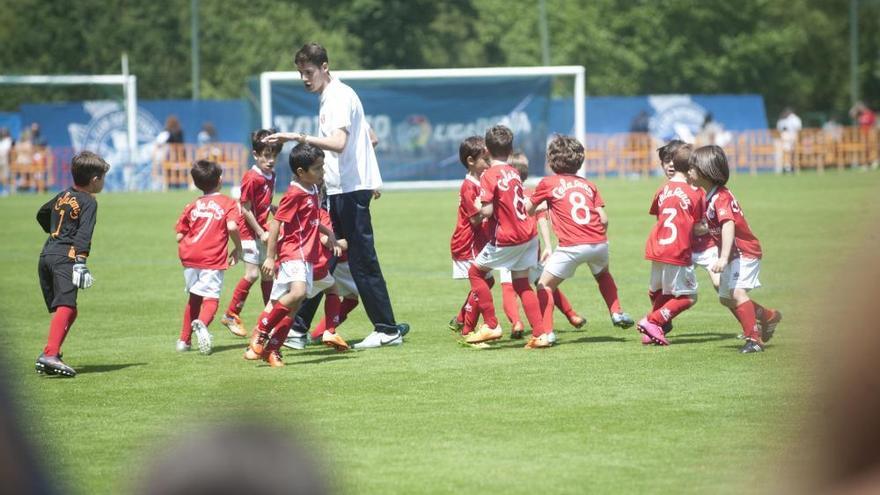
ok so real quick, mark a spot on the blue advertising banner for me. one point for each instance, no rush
(100, 126)
(420, 123)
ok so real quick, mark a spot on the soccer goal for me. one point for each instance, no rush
(421, 115)
(127, 81)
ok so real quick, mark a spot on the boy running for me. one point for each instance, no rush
(69, 219)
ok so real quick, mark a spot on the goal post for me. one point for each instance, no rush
(128, 83)
(285, 105)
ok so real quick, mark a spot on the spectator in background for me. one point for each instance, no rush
(864, 116)
(208, 134)
(37, 138)
(832, 128)
(788, 125)
(640, 122)
(5, 149)
(172, 134)
(712, 132)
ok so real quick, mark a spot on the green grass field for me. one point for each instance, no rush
(597, 413)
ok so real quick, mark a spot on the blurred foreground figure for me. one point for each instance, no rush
(233, 459)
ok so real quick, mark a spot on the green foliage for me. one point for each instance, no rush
(794, 52)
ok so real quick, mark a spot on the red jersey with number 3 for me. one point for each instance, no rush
(678, 207)
(468, 240)
(509, 224)
(723, 207)
(205, 233)
(572, 201)
(257, 189)
(298, 211)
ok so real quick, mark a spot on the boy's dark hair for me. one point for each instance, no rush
(304, 156)
(87, 165)
(667, 151)
(472, 147)
(711, 163)
(499, 141)
(681, 158)
(259, 146)
(565, 154)
(520, 162)
(206, 175)
(311, 53)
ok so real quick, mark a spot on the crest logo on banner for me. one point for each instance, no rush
(675, 116)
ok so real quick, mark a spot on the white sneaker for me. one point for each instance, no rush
(182, 346)
(551, 337)
(296, 340)
(379, 339)
(203, 336)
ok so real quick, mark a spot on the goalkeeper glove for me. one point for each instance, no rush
(81, 276)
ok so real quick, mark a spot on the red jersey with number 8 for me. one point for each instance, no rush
(678, 207)
(573, 201)
(723, 207)
(509, 224)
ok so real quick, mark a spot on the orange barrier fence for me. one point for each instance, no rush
(172, 163)
(632, 154)
(28, 169)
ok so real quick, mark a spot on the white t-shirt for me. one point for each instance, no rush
(356, 168)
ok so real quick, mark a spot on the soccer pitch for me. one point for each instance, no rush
(598, 412)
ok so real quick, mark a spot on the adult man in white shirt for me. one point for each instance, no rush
(352, 178)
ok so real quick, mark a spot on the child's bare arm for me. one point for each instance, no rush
(234, 235)
(487, 210)
(728, 232)
(248, 213)
(331, 239)
(603, 217)
(268, 267)
(544, 232)
(179, 237)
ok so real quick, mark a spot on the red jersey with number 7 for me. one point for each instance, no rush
(572, 201)
(205, 232)
(509, 224)
(723, 207)
(678, 207)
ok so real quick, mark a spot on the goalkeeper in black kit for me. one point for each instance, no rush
(69, 219)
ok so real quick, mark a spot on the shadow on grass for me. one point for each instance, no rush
(228, 347)
(700, 338)
(592, 339)
(104, 368)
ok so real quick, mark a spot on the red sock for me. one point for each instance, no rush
(239, 296)
(471, 311)
(508, 302)
(608, 289)
(271, 320)
(653, 295)
(462, 312)
(480, 287)
(530, 305)
(209, 309)
(279, 333)
(345, 307)
(761, 313)
(331, 312)
(672, 308)
(562, 302)
(266, 287)
(58, 328)
(745, 313)
(545, 298)
(69, 326)
(190, 313)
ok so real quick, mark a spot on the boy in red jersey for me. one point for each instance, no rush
(580, 224)
(703, 247)
(69, 218)
(739, 261)
(469, 235)
(298, 223)
(257, 187)
(512, 242)
(673, 287)
(203, 233)
(540, 225)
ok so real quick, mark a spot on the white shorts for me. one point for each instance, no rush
(705, 258)
(740, 273)
(344, 281)
(565, 260)
(534, 274)
(319, 286)
(515, 258)
(673, 279)
(253, 252)
(203, 282)
(460, 270)
(290, 272)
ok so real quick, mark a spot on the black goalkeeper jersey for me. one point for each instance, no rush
(69, 219)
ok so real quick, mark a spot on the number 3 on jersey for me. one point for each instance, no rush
(580, 212)
(667, 223)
